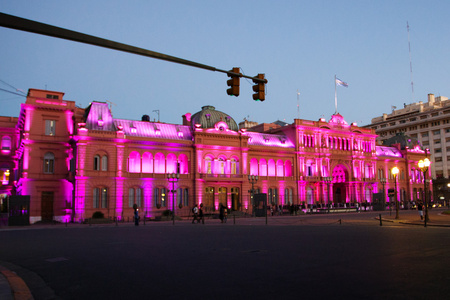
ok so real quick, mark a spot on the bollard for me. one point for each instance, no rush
(381, 222)
(340, 221)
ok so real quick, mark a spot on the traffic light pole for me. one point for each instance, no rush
(13, 22)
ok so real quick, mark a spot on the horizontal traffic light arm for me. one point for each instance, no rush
(13, 22)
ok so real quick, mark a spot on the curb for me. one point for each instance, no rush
(412, 222)
(19, 288)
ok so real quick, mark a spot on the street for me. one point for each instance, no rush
(308, 257)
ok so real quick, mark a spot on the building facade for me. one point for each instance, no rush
(427, 122)
(74, 161)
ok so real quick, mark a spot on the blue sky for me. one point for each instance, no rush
(299, 45)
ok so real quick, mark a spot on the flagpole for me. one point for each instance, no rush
(335, 94)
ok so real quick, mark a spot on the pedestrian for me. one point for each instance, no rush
(221, 211)
(420, 209)
(200, 214)
(136, 217)
(195, 213)
(225, 214)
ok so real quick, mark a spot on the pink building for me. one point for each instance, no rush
(74, 162)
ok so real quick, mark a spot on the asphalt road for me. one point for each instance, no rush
(298, 258)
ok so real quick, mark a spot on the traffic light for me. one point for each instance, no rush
(259, 89)
(233, 83)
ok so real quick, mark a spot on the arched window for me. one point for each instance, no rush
(49, 163)
(104, 163)
(262, 167)
(208, 165)
(233, 166)
(280, 168)
(147, 162)
(159, 163)
(288, 168)
(271, 168)
(183, 164)
(134, 162)
(253, 166)
(171, 163)
(221, 165)
(6, 145)
(96, 163)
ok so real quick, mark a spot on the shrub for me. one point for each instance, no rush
(98, 215)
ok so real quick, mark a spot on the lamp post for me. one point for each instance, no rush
(395, 173)
(448, 198)
(328, 181)
(252, 179)
(423, 165)
(173, 177)
(383, 182)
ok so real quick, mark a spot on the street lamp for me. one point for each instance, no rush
(252, 179)
(174, 178)
(383, 182)
(395, 173)
(328, 180)
(423, 165)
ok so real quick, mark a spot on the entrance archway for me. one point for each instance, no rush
(340, 178)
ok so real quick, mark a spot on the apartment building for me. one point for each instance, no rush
(427, 122)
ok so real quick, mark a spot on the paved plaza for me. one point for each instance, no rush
(339, 256)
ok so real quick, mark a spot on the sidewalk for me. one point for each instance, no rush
(12, 287)
(436, 218)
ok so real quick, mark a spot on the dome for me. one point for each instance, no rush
(209, 116)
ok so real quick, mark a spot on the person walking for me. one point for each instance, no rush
(136, 217)
(195, 213)
(225, 214)
(420, 209)
(221, 211)
(200, 214)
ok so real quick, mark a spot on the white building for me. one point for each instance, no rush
(427, 122)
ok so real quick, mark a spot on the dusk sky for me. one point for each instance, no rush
(299, 45)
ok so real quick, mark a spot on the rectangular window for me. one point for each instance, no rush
(436, 132)
(437, 159)
(437, 141)
(50, 127)
(424, 134)
(96, 197)
(437, 150)
(130, 197)
(104, 198)
(139, 197)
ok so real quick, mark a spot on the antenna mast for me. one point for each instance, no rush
(410, 63)
(298, 105)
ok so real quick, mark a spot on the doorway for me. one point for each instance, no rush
(47, 199)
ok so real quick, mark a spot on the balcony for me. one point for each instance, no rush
(218, 177)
